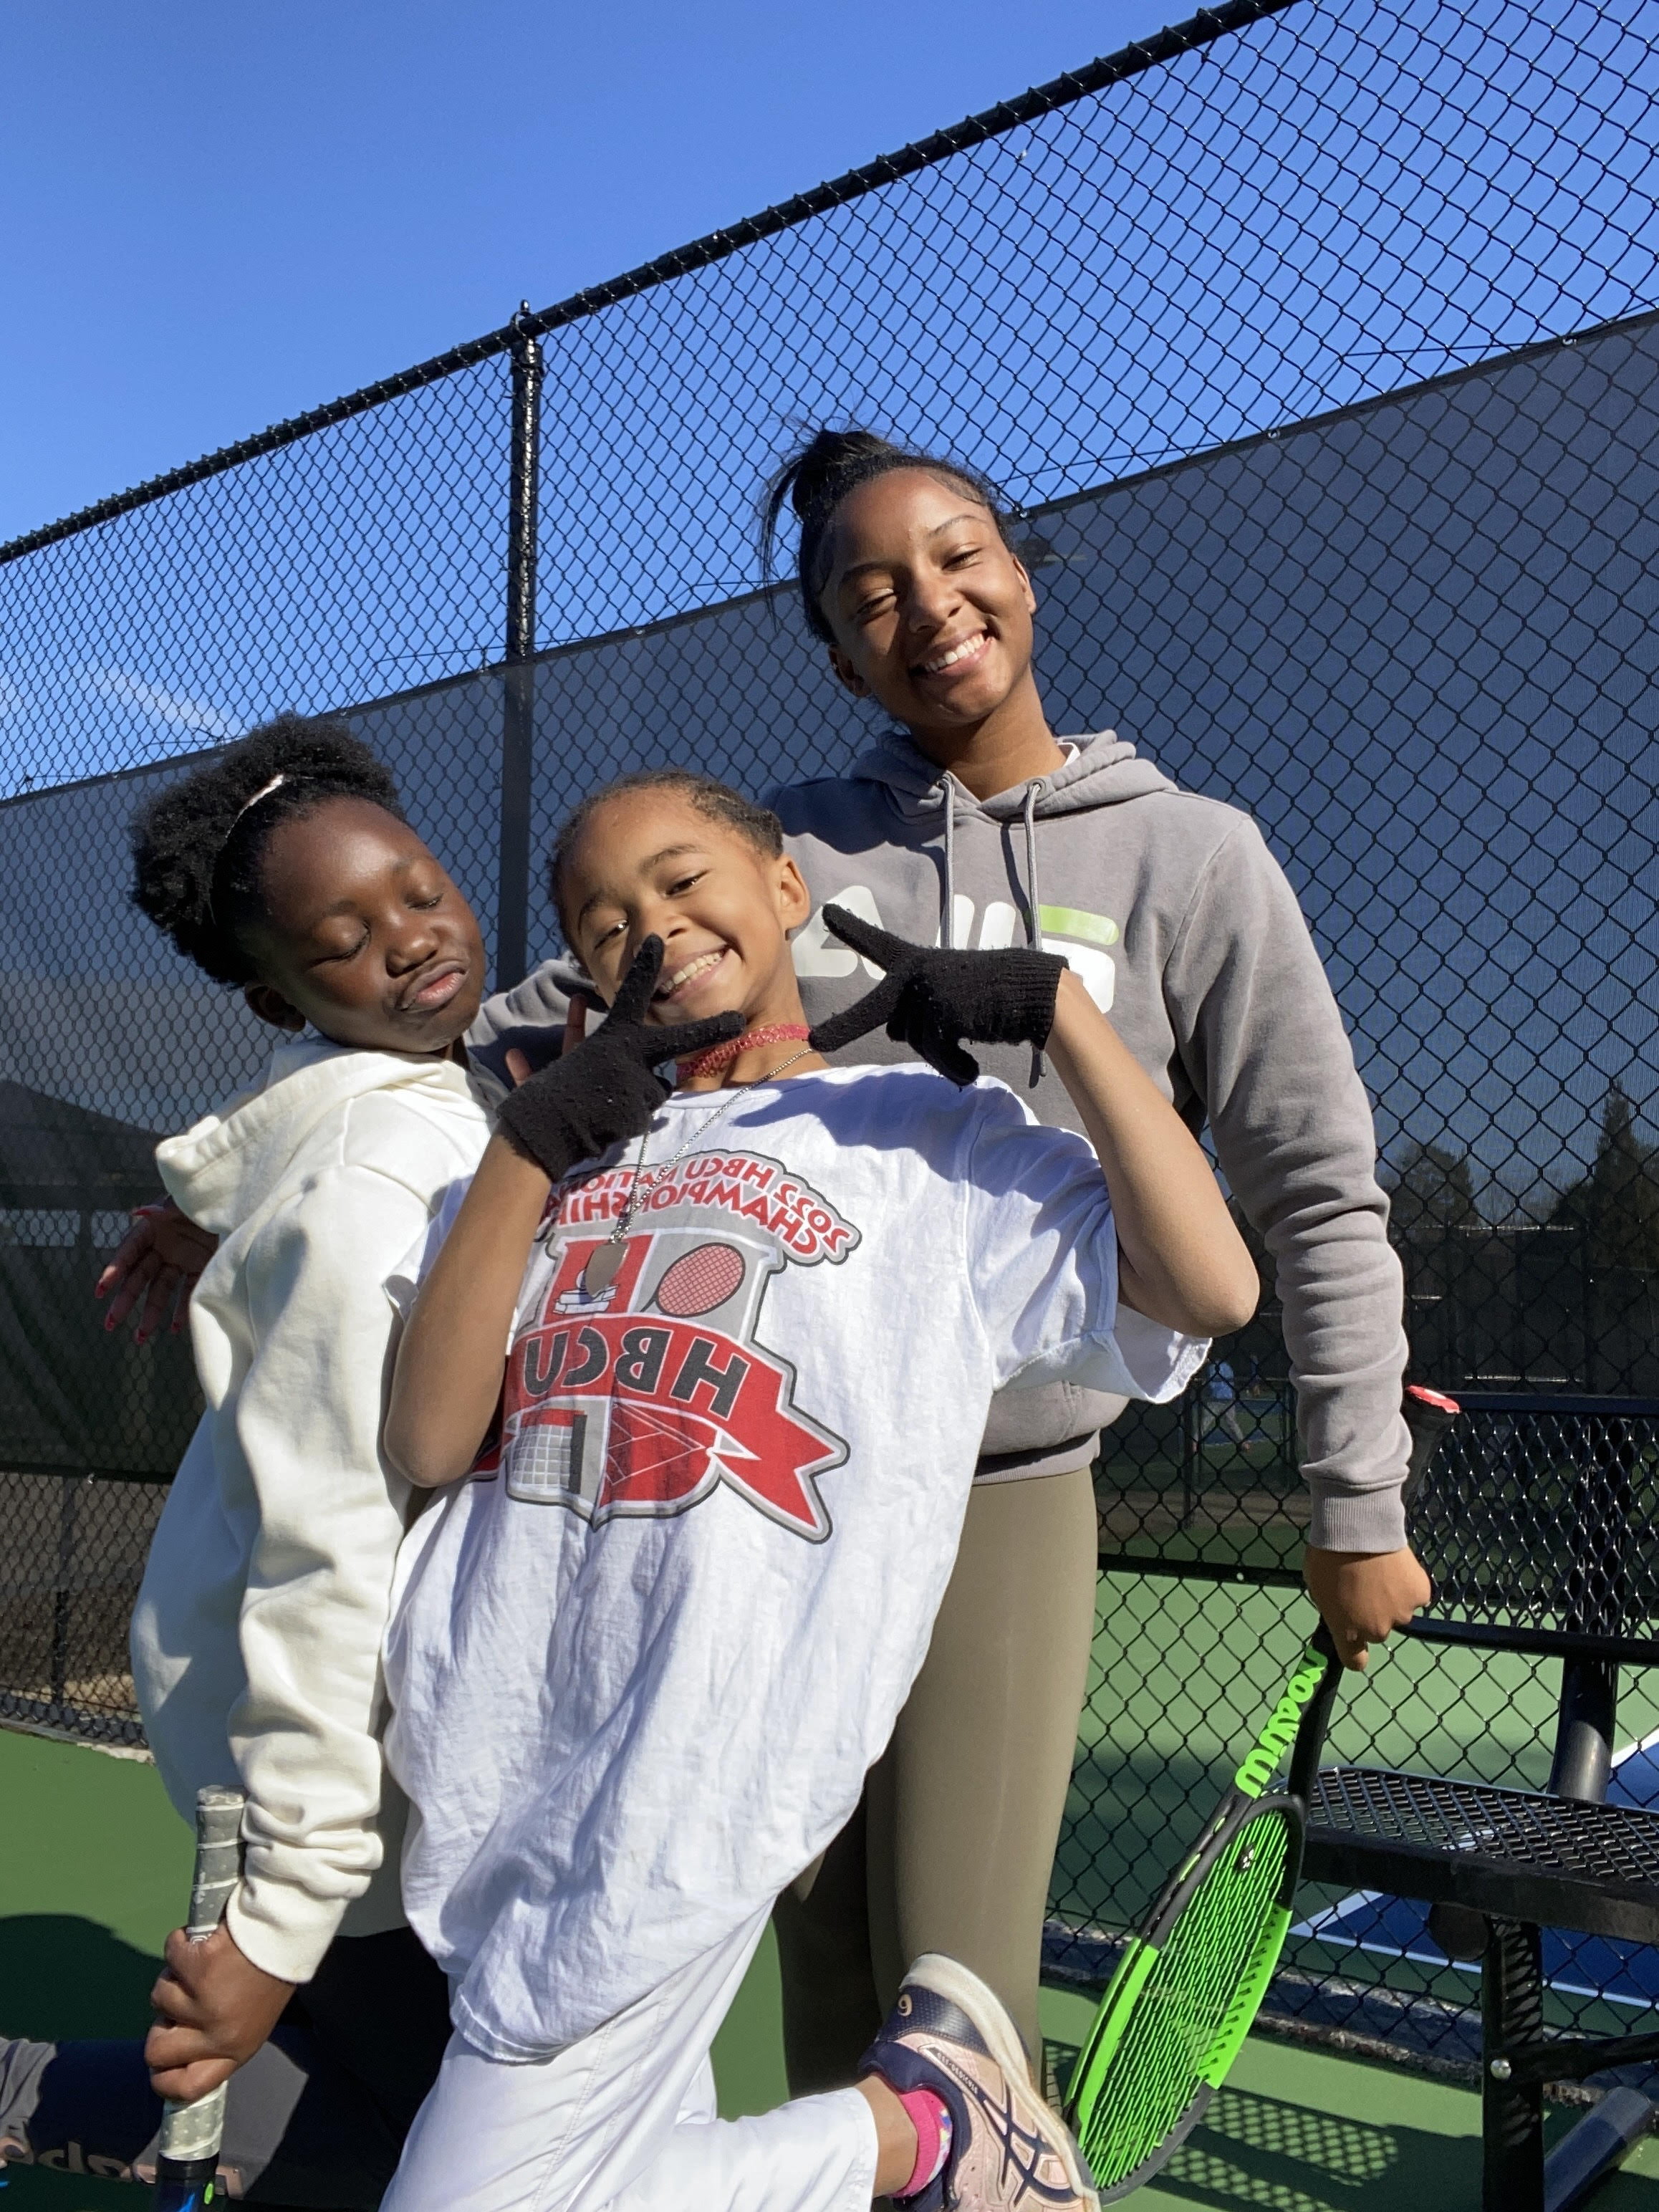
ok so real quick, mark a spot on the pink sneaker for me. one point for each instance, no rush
(949, 2034)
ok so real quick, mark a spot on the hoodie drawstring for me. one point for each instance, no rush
(1033, 908)
(1033, 911)
(948, 918)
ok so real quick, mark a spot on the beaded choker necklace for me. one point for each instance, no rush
(601, 1269)
(722, 1055)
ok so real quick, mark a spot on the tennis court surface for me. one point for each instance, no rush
(94, 1865)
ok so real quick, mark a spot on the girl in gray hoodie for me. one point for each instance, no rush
(972, 824)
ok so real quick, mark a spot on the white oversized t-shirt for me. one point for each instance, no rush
(640, 1670)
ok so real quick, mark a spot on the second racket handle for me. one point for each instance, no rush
(192, 2132)
(1429, 1414)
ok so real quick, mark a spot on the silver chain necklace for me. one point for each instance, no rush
(601, 1269)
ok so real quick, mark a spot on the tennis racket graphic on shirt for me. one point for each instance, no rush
(1190, 1983)
(186, 2170)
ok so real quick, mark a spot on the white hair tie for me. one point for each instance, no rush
(264, 791)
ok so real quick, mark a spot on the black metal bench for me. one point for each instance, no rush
(1539, 1520)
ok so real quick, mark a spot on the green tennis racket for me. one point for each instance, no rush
(1188, 1984)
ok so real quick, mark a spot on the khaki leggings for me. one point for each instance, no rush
(953, 1847)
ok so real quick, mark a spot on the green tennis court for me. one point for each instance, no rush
(94, 1865)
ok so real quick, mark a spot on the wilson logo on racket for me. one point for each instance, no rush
(644, 1397)
(1273, 1746)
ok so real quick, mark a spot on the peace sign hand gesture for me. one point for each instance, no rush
(606, 1088)
(931, 999)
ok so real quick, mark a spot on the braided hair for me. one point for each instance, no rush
(815, 480)
(198, 847)
(706, 795)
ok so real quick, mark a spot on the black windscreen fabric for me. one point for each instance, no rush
(109, 1040)
(1416, 640)
(73, 1398)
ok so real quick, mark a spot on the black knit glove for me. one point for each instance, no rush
(930, 1000)
(607, 1088)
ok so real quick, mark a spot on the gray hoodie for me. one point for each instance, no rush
(1184, 930)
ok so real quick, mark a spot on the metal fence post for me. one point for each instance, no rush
(517, 688)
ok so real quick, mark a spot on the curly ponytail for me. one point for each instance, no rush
(815, 481)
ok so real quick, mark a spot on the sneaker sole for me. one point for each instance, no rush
(950, 1980)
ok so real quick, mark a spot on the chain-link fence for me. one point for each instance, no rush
(1319, 345)
(1200, 1520)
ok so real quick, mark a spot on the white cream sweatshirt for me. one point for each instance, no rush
(257, 1634)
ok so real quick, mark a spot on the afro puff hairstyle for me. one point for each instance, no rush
(198, 847)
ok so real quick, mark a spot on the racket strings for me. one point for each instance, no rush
(1179, 2028)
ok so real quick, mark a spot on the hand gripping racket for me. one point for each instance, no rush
(1188, 1984)
(186, 2170)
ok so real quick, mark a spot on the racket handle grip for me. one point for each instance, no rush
(190, 2133)
(1310, 1736)
(1429, 1414)
(218, 1866)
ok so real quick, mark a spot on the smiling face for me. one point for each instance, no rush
(930, 611)
(650, 864)
(362, 934)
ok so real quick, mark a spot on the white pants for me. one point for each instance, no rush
(625, 2120)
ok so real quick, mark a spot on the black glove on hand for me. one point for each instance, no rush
(930, 1000)
(607, 1088)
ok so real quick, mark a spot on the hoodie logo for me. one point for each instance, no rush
(1081, 936)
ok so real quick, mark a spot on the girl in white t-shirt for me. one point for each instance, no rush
(641, 1662)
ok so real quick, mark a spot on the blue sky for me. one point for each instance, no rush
(212, 216)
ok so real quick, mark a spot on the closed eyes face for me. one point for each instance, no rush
(362, 934)
(650, 865)
(930, 611)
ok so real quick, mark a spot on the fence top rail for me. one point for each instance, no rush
(1166, 45)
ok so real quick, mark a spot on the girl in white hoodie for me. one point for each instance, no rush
(285, 867)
